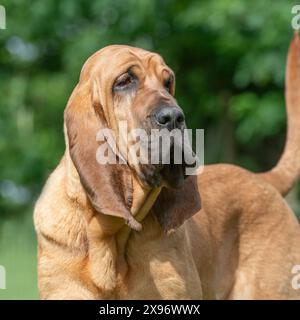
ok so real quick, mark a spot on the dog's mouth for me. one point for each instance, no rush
(169, 155)
(173, 175)
(169, 173)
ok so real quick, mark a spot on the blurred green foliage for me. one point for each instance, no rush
(229, 58)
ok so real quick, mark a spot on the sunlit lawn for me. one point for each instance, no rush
(18, 256)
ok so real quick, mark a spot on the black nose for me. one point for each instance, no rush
(170, 117)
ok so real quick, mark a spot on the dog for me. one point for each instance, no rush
(142, 231)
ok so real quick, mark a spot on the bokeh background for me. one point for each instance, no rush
(229, 57)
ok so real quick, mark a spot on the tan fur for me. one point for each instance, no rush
(242, 244)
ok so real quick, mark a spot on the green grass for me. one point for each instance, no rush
(18, 257)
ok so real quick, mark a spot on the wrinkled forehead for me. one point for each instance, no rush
(113, 60)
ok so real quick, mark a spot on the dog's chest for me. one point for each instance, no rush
(159, 266)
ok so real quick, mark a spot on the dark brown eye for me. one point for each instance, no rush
(125, 81)
(168, 83)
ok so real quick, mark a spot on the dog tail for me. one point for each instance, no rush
(286, 172)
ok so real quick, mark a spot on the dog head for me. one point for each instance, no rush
(122, 90)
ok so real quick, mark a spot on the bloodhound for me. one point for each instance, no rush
(148, 231)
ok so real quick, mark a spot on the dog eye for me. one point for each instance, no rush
(168, 84)
(125, 81)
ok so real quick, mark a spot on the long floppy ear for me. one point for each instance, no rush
(108, 186)
(173, 207)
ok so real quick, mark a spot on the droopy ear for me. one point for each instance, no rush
(108, 186)
(173, 207)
